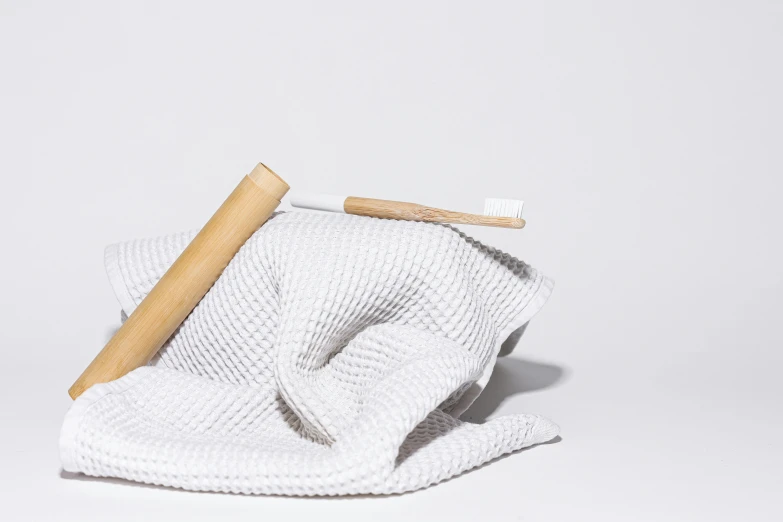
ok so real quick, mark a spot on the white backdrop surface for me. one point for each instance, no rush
(645, 138)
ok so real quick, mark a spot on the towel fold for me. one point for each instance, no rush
(333, 356)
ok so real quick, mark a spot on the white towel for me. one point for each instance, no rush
(333, 356)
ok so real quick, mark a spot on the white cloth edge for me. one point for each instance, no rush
(111, 261)
(78, 409)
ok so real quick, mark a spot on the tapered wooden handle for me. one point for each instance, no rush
(187, 280)
(382, 208)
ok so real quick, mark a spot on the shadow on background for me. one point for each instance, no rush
(512, 376)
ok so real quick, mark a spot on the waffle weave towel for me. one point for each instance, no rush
(333, 356)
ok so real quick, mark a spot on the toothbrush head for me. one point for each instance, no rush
(503, 207)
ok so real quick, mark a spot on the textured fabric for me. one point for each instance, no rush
(333, 356)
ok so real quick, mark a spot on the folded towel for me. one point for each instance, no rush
(333, 356)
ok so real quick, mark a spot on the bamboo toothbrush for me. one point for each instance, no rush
(505, 213)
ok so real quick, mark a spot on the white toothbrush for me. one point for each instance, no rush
(497, 212)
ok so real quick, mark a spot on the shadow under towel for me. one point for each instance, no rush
(333, 356)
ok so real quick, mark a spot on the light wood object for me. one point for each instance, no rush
(188, 280)
(382, 208)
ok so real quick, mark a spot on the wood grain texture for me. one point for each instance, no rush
(187, 280)
(382, 208)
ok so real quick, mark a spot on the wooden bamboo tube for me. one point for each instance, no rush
(187, 280)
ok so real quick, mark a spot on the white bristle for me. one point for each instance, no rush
(503, 207)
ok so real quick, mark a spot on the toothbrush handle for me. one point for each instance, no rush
(386, 209)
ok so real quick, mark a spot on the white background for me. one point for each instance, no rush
(645, 138)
